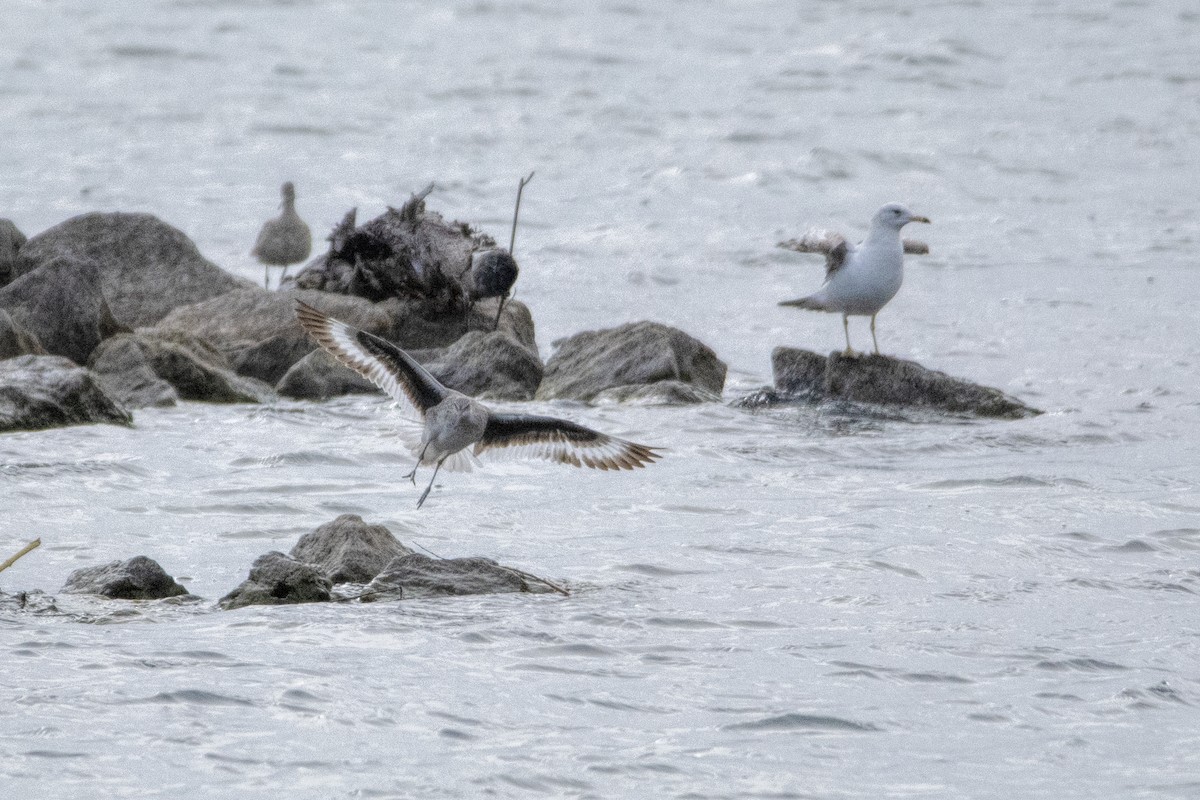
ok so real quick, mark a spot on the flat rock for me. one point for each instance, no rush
(489, 365)
(417, 575)
(661, 393)
(588, 363)
(11, 241)
(15, 340)
(121, 367)
(276, 579)
(348, 550)
(147, 267)
(39, 392)
(62, 304)
(882, 380)
(138, 578)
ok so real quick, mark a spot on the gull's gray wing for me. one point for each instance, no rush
(376, 359)
(833, 246)
(563, 441)
(915, 247)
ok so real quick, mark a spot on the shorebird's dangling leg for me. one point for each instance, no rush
(283, 274)
(412, 476)
(266, 277)
(873, 339)
(436, 467)
(846, 328)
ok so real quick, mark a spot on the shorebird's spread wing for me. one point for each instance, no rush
(376, 359)
(833, 246)
(563, 441)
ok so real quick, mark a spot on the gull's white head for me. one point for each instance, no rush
(896, 216)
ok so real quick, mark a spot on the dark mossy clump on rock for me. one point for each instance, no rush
(348, 550)
(39, 392)
(276, 579)
(636, 354)
(138, 578)
(801, 375)
(417, 575)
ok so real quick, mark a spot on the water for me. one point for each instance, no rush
(793, 603)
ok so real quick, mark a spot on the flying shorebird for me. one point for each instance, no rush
(283, 240)
(453, 421)
(860, 280)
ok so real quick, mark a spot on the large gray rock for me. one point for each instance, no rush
(662, 393)
(11, 241)
(139, 578)
(15, 340)
(490, 365)
(62, 304)
(348, 550)
(318, 376)
(38, 392)
(198, 372)
(121, 367)
(638, 353)
(881, 380)
(417, 575)
(147, 267)
(276, 579)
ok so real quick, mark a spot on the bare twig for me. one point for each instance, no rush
(32, 545)
(512, 239)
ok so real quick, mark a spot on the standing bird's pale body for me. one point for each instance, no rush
(452, 422)
(284, 240)
(860, 280)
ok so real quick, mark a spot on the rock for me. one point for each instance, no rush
(11, 241)
(662, 393)
(417, 575)
(318, 376)
(62, 304)
(882, 380)
(276, 579)
(122, 369)
(15, 340)
(146, 266)
(198, 372)
(139, 578)
(270, 359)
(489, 365)
(587, 363)
(348, 550)
(38, 392)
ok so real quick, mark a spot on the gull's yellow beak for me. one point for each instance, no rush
(922, 219)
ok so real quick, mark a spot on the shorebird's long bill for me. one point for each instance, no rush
(376, 359)
(562, 441)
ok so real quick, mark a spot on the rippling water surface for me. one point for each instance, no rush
(793, 603)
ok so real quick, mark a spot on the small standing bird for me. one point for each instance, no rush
(284, 240)
(492, 274)
(452, 421)
(860, 280)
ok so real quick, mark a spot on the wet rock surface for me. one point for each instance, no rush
(11, 241)
(348, 550)
(39, 392)
(640, 353)
(882, 380)
(417, 575)
(276, 579)
(15, 340)
(122, 369)
(488, 365)
(661, 393)
(138, 578)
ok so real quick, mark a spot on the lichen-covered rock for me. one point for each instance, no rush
(489, 365)
(881, 380)
(147, 267)
(662, 393)
(61, 303)
(15, 340)
(38, 392)
(587, 363)
(276, 579)
(138, 578)
(11, 241)
(416, 575)
(121, 367)
(348, 550)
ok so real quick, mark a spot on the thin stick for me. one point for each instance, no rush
(512, 239)
(32, 545)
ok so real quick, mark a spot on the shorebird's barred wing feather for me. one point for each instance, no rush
(833, 246)
(562, 441)
(376, 359)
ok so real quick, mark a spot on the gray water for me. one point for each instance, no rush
(793, 603)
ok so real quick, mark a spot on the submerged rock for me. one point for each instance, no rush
(882, 380)
(348, 550)
(146, 266)
(139, 578)
(38, 392)
(61, 303)
(276, 579)
(417, 575)
(640, 353)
